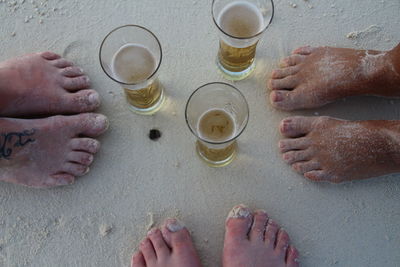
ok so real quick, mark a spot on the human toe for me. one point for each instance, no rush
(76, 83)
(292, 60)
(284, 72)
(146, 248)
(306, 166)
(296, 126)
(259, 225)
(271, 233)
(88, 145)
(91, 124)
(304, 50)
(288, 82)
(175, 234)
(301, 143)
(75, 169)
(72, 72)
(292, 157)
(282, 243)
(59, 180)
(81, 101)
(49, 55)
(238, 223)
(292, 257)
(160, 246)
(62, 63)
(79, 157)
(290, 100)
(138, 260)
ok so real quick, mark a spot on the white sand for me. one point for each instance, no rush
(99, 220)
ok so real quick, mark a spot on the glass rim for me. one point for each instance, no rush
(243, 38)
(136, 26)
(236, 135)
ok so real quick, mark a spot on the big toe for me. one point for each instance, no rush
(238, 224)
(296, 126)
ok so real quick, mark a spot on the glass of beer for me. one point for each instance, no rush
(131, 56)
(241, 24)
(217, 114)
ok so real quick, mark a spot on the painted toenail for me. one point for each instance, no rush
(94, 98)
(240, 211)
(174, 225)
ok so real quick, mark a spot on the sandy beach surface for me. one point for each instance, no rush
(135, 183)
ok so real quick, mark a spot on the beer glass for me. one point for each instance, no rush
(217, 114)
(131, 55)
(240, 24)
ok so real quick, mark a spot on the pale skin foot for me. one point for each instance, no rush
(314, 76)
(48, 152)
(170, 246)
(255, 240)
(327, 149)
(44, 84)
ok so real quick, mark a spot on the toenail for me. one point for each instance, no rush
(286, 126)
(152, 231)
(94, 98)
(240, 211)
(277, 97)
(261, 212)
(296, 260)
(174, 225)
(281, 144)
(86, 171)
(87, 79)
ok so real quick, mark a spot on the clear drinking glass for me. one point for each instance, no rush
(131, 55)
(241, 24)
(217, 114)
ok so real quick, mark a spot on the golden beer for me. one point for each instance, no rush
(144, 98)
(241, 21)
(134, 64)
(236, 59)
(216, 126)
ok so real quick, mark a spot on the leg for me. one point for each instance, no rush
(312, 77)
(44, 84)
(48, 152)
(327, 149)
(253, 239)
(170, 246)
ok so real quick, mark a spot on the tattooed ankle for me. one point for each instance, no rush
(11, 140)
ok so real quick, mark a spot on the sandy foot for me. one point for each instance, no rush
(44, 84)
(48, 152)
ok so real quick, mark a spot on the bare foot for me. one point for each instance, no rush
(254, 240)
(312, 77)
(169, 247)
(327, 149)
(48, 152)
(44, 84)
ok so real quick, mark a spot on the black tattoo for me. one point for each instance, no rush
(11, 140)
